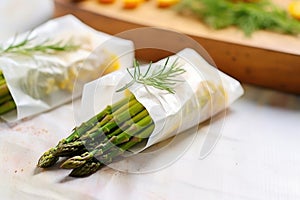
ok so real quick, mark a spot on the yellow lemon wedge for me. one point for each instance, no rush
(114, 66)
(130, 4)
(294, 9)
(166, 3)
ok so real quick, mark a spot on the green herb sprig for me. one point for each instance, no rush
(28, 46)
(249, 17)
(162, 78)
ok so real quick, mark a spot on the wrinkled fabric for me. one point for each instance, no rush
(256, 157)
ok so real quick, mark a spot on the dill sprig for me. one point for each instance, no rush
(163, 78)
(29, 45)
(248, 16)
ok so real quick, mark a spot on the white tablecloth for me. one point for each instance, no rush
(257, 157)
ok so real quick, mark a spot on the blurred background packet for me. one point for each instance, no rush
(39, 68)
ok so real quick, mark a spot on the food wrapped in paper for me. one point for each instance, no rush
(135, 109)
(201, 92)
(40, 68)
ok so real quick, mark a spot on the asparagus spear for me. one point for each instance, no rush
(94, 164)
(3, 87)
(99, 133)
(1, 75)
(101, 116)
(87, 169)
(138, 122)
(50, 157)
(2, 80)
(7, 106)
(6, 101)
(124, 136)
(3, 90)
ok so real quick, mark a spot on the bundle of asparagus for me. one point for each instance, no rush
(164, 100)
(106, 136)
(102, 139)
(6, 101)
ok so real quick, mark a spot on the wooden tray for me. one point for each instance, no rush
(266, 59)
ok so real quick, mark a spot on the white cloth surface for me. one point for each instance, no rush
(256, 158)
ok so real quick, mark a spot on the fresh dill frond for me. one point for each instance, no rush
(163, 78)
(30, 45)
(248, 16)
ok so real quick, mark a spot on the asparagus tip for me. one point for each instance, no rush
(85, 170)
(47, 160)
(73, 162)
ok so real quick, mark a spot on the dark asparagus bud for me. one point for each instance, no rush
(47, 160)
(98, 133)
(86, 169)
(140, 121)
(93, 165)
(44, 160)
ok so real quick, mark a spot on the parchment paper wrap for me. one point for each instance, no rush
(40, 82)
(202, 92)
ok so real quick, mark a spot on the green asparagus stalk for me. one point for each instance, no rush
(124, 136)
(7, 106)
(2, 80)
(126, 124)
(94, 164)
(3, 90)
(99, 133)
(1, 75)
(142, 135)
(138, 122)
(51, 156)
(85, 126)
(103, 117)
(6, 101)
(109, 120)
